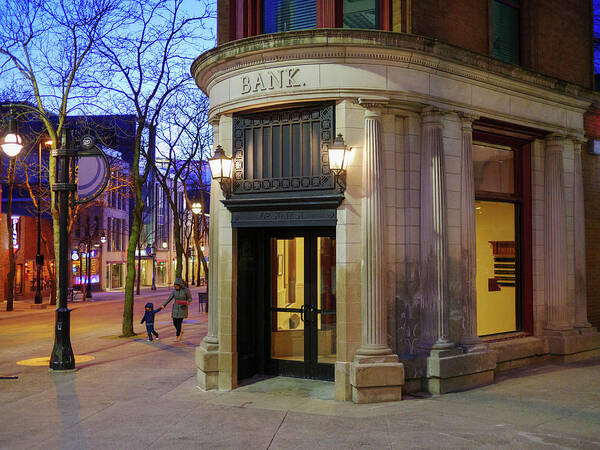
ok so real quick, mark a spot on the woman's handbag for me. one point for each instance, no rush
(181, 302)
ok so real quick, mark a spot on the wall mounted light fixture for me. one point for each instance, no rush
(339, 156)
(220, 169)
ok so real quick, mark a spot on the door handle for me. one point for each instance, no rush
(310, 309)
(302, 312)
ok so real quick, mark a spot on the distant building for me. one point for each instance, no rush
(453, 247)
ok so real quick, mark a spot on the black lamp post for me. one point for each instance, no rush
(12, 145)
(88, 287)
(153, 254)
(62, 357)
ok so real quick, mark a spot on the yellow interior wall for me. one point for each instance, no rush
(496, 312)
(283, 271)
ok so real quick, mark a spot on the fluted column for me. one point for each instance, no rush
(434, 244)
(468, 238)
(212, 334)
(555, 237)
(581, 320)
(374, 320)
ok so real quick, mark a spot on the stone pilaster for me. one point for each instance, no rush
(555, 237)
(564, 342)
(375, 375)
(449, 368)
(470, 339)
(581, 321)
(434, 243)
(207, 353)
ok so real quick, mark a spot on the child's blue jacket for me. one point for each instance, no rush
(149, 316)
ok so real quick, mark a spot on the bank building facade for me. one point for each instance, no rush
(401, 214)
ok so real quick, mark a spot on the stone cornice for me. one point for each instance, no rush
(340, 44)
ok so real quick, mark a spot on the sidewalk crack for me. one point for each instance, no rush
(277, 430)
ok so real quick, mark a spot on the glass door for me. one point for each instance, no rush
(302, 304)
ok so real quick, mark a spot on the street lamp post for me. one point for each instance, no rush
(88, 287)
(153, 253)
(62, 357)
(12, 144)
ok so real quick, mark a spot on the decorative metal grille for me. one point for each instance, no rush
(282, 150)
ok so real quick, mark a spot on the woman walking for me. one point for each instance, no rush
(182, 298)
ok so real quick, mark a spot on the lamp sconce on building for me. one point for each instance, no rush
(220, 168)
(339, 157)
(103, 238)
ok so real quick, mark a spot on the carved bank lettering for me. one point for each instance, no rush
(272, 79)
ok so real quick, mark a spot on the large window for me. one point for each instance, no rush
(361, 14)
(497, 222)
(289, 15)
(505, 30)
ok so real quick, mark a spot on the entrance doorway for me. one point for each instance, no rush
(287, 303)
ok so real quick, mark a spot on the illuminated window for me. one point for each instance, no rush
(361, 14)
(289, 15)
(497, 209)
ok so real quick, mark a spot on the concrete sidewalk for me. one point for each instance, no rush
(138, 394)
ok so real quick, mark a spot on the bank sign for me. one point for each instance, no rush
(271, 79)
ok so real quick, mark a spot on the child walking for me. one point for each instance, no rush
(149, 319)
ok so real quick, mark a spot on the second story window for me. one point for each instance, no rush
(361, 14)
(289, 15)
(505, 30)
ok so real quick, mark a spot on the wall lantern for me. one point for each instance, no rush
(12, 144)
(339, 156)
(164, 245)
(103, 238)
(196, 208)
(220, 169)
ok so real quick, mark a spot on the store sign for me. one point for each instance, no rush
(272, 79)
(16, 226)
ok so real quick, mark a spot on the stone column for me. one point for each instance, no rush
(374, 323)
(555, 237)
(375, 375)
(207, 356)
(468, 250)
(434, 244)
(581, 320)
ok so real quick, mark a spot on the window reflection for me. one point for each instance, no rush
(289, 15)
(361, 14)
(494, 169)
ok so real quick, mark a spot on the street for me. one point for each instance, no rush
(139, 394)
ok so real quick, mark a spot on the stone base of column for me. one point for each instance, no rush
(473, 344)
(376, 378)
(573, 345)
(586, 329)
(207, 362)
(453, 370)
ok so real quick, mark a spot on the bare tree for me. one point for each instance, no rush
(146, 65)
(45, 56)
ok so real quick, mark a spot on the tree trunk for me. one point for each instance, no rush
(139, 269)
(11, 256)
(127, 326)
(178, 245)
